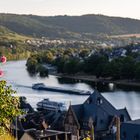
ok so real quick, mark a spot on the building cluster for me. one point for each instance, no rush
(118, 52)
(58, 42)
(95, 119)
(101, 42)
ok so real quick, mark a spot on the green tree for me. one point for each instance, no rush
(43, 71)
(68, 51)
(95, 64)
(71, 66)
(9, 107)
(128, 66)
(116, 68)
(60, 62)
(137, 71)
(47, 57)
(32, 64)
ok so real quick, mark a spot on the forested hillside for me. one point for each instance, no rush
(69, 26)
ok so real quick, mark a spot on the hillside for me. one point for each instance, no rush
(11, 35)
(13, 45)
(69, 26)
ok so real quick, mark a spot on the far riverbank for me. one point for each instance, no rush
(91, 78)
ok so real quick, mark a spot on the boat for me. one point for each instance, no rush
(48, 105)
(42, 86)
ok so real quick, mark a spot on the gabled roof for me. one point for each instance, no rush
(101, 111)
(72, 112)
(78, 110)
(99, 101)
(42, 134)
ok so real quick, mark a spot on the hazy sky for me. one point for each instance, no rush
(123, 8)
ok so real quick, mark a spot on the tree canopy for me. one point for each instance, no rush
(9, 107)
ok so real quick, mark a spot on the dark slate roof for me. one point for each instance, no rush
(37, 134)
(24, 105)
(35, 119)
(78, 110)
(54, 119)
(32, 133)
(125, 113)
(135, 122)
(107, 106)
(31, 120)
(99, 109)
(58, 121)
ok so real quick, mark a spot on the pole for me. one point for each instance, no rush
(118, 128)
(92, 132)
(16, 129)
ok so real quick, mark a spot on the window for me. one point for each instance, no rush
(99, 101)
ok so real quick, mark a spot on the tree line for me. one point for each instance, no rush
(96, 64)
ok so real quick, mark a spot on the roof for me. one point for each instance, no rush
(99, 109)
(24, 105)
(98, 100)
(125, 113)
(37, 134)
(78, 110)
(137, 122)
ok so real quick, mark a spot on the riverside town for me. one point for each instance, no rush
(69, 70)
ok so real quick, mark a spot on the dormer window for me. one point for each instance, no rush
(99, 101)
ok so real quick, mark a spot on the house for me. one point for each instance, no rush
(96, 111)
(39, 121)
(130, 130)
(30, 130)
(33, 134)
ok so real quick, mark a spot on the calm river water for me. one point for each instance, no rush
(17, 76)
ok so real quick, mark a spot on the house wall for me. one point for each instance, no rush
(26, 137)
(70, 125)
(130, 131)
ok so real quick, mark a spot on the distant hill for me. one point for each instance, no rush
(69, 26)
(6, 34)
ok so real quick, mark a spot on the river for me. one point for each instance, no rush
(16, 75)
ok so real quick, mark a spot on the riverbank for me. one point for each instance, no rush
(91, 78)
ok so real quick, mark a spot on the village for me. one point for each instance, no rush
(111, 47)
(95, 119)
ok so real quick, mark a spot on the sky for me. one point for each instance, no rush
(121, 8)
